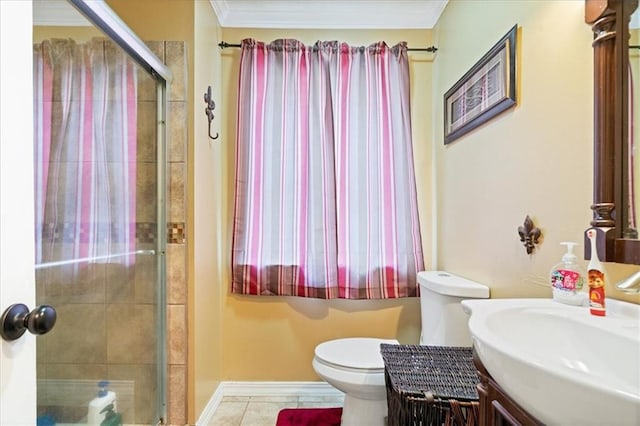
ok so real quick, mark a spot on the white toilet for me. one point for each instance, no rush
(444, 323)
(355, 366)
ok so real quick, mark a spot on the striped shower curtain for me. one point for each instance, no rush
(325, 202)
(85, 151)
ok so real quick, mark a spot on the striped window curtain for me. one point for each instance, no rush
(325, 202)
(85, 130)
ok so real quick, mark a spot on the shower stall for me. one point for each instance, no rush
(101, 227)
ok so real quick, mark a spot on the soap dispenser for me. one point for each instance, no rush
(567, 279)
(103, 403)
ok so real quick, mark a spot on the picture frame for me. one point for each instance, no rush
(486, 90)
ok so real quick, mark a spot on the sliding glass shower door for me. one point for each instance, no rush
(100, 233)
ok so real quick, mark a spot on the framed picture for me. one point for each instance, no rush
(485, 91)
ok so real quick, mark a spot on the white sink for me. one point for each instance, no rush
(560, 363)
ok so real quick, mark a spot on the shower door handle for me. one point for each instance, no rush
(17, 319)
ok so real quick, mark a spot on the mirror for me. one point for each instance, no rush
(613, 214)
(634, 129)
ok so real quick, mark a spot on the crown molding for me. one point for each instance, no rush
(329, 14)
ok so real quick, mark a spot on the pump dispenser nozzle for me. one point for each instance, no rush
(569, 256)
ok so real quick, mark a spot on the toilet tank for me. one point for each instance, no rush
(444, 323)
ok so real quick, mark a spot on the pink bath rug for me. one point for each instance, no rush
(309, 417)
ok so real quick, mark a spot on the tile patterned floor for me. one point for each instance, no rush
(263, 410)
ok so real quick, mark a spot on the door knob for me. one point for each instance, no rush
(17, 319)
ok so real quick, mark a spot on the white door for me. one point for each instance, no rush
(17, 277)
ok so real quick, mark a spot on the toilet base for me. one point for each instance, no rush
(364, 412)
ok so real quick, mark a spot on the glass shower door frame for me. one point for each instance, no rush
(161, 246)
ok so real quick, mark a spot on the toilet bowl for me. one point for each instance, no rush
(355, 367)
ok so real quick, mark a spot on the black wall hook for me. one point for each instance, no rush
(208, 110)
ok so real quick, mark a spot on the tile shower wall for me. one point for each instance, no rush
(175, 56)
(111, 308)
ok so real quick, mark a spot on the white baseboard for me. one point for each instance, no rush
(278, 389)
(263, 389)
(211, 407)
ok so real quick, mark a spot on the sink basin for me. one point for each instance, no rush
(560, 363)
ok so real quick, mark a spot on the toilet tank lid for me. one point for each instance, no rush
(452, 285)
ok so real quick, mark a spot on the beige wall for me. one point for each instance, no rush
(205, 194)
(535, 159)
(79, 34)
(273, 338)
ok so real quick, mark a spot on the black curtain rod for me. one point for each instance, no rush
(224, 45)
(637, 46)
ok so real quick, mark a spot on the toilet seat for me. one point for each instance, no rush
(359, 354)
(355, 367)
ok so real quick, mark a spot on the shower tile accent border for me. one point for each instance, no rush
(65, 232)
(176, 233)
(146, 232)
